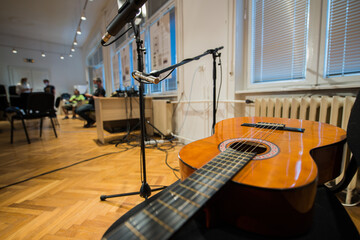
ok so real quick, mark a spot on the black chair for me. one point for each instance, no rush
(39, 105)
(17, 100)
(3, 99)
(330, 220)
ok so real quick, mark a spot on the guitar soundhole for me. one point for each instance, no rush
(264, 149)
(248, 146)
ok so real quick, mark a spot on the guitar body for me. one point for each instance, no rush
(274, 193)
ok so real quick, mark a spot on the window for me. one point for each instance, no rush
(343, 38)
(294, 44)
(279, 39)
(158, 33)
(95, 66)
(162, 45)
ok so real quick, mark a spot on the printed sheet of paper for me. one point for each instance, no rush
(116, 73)
(125, 66)
(160, 44)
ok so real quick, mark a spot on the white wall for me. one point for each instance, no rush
(202, 25)
(64, 74)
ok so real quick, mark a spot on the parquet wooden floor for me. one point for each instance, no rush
(65, 204)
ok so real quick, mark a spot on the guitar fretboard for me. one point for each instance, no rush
(164, 216)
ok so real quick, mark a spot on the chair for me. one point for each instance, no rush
(330, 220)
(39, 105)
(3, 100)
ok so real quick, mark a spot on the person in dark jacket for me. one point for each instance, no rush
(85, 108)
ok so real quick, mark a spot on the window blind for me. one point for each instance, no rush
(343, 38)
(279, 40)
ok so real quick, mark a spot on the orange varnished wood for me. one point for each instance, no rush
(292, 167)
(274, 196)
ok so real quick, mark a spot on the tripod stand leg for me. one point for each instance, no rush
(145, 192)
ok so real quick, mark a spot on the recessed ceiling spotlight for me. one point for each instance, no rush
(43, 54)
(62, 57)
(75, 42)
(78, 31)
(70, 55)
(83, 16)
(73, 49)
(14, 50)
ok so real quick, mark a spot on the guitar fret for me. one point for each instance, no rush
(165, 215)
(135, 231)
(161, 223)
(185, 199)
(194, 190)
(226, 176)
(183, 215)
(237, 160)
(202, 183)
(213, 179)
(212, 165)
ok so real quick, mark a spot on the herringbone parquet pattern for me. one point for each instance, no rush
(65, 204)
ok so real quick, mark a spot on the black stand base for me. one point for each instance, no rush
(145, 192)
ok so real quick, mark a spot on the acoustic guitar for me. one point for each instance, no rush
(257, 173)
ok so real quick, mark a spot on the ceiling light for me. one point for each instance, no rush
(83, 16)
(43, 54)
(73, 49)
(75, 42)
(70, 55)
(62, 57)
(14, 50)
(78, 31)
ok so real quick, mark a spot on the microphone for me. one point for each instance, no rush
(148, 78)
(126, 13)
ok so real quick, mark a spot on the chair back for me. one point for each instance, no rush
(353, 129)
(3, 98)
(40, 103)
(12, 90)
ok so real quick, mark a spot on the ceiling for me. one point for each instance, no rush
(52, 21)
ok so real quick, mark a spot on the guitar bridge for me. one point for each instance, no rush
(274, 126)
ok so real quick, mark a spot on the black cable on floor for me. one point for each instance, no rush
(58, 169)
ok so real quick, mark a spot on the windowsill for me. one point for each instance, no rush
(160, 95)
(298, 89)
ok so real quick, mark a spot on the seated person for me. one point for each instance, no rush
(23, 87)
(49, 88)
(83, 109)
(72, 103)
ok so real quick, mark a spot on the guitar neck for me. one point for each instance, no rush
(164, 216)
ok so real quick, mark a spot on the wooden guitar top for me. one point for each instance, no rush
(287, 162)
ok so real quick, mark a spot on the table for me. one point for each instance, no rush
(113, 108)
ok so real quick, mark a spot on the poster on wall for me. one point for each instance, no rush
(116, 76)
(160, 43)
(125, 66)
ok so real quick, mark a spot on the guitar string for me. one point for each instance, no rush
(269, 132)
(198, 191)
(168, 197)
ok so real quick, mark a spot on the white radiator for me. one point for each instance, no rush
(163, 110)
(333, 110)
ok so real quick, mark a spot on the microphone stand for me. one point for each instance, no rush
(145, 190)
(215, 54)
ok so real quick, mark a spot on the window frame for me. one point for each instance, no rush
(315, 56)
